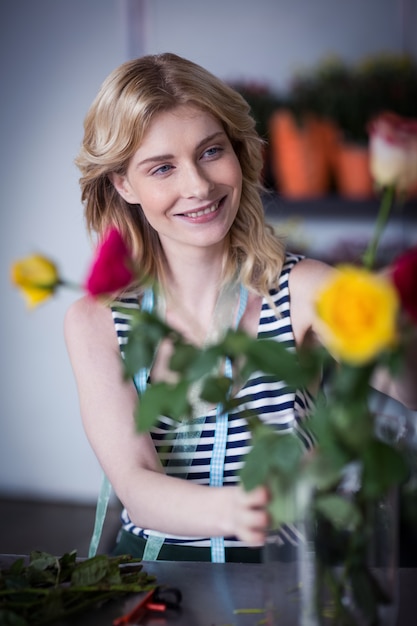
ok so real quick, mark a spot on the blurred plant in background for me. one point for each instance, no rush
(317, 128)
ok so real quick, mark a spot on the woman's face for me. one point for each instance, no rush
(186, 177)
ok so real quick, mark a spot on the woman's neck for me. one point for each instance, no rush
(191, 292)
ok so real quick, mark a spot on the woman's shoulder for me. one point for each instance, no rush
(87, 318)
(306, 278)
(308, 270)
(86, 309)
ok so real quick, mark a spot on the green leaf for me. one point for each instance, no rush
(42, 560)
(364, 594)
(162, 399)
(341, 512)
(284, 507)
(144, 337)
(272, 453)
(90, 571)
(329, 444)
(205, 363)
(67, 563)
(286, 452)
(183, 358)
(351, 382)
(256, 468)
(275, 359)
(87, 583)
(216, 389)
(43, 568)
(353, 425)
(383, 467)
(236, 343)
(324, 471)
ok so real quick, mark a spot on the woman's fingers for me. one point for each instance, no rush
(252, 518)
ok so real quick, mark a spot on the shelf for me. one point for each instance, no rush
(333, 208)
(336, 229)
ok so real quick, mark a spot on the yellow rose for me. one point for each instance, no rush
(357, 313)
(37, 278)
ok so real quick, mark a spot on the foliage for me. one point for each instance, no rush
(263, 101)
(350, 95)
(49, 588)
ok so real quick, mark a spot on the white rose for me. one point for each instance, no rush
(393, 151)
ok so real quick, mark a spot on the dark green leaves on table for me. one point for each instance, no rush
(48, 589)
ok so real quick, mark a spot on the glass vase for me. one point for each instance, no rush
(333, 577)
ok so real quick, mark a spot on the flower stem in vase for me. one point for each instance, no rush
(383, 215)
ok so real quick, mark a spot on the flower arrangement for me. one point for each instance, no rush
(366, 321)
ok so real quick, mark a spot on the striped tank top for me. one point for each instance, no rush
(273, 401)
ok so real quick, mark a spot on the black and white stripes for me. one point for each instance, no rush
(273, 402)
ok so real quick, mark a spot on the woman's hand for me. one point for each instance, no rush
(250, 515)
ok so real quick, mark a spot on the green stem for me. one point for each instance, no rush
(68, 284)
(383, 215)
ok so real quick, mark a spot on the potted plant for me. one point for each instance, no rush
(301, 142)
(264, 103)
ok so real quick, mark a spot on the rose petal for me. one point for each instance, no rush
(404, 276)
(111, 270)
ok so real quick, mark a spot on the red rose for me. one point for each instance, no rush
(111, 269)
(404, 276)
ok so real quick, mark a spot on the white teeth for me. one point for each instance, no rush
(206, 211)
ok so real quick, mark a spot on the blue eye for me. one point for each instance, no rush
(214, 151)
(163, 169)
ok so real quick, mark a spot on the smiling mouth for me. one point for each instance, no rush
(210, 209)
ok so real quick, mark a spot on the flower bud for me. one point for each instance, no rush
(393, 151)
(37, 278)
(112, 267)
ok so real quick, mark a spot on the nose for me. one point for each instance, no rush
(195, 182)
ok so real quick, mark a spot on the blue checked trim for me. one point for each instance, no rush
(220, 440)
(101, 509)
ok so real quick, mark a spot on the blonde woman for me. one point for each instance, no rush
(171, 158)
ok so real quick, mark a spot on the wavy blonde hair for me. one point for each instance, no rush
(114, 127)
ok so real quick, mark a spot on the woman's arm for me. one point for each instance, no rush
(129, 459)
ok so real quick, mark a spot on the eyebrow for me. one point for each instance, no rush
(167, 157)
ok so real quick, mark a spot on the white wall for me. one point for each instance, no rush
(53, 56)
(269, 40)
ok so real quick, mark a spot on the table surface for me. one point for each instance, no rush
(216, 594)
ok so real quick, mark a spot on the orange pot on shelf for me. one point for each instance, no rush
(330, 138)
(352, 172)
(299, 163)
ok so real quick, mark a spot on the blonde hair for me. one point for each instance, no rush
(114, 127)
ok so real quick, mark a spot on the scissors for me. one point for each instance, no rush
(158, 599)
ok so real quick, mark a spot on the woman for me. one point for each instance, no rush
(171, 158)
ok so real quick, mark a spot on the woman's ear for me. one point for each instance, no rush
(122, 186)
